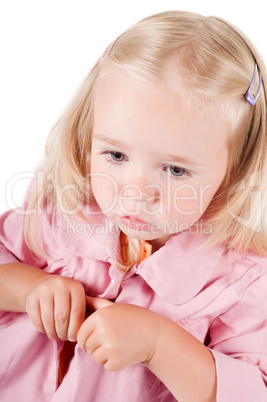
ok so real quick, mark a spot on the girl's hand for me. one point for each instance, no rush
(56, 306)
(118, 335)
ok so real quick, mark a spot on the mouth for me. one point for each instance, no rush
(135, 223)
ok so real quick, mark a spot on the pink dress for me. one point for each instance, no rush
(218, 296)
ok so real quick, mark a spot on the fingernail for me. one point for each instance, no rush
(72, 339)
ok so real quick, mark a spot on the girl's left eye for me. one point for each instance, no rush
(177, 171)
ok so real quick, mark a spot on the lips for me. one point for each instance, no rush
(135, 223)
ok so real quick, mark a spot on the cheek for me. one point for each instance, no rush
(105, 191)
(103, 185)
(189, 202)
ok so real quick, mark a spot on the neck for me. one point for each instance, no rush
(160, 242)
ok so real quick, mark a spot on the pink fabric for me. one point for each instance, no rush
(218, 296)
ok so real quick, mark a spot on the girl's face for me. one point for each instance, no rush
(155, 165)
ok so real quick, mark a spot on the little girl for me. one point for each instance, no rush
(136, 269)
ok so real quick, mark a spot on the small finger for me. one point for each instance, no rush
(99, 355)
(77, 313)
(96, 303)
(62, 314)
(33, 310)
(85, 331)
(92, 343)
(47, 316)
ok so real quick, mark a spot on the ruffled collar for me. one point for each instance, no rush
(181, 261)
(180, 269)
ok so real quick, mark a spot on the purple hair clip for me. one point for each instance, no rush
(249, 96)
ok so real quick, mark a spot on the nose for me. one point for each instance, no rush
(138, 196)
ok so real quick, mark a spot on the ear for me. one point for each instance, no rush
(96, 303)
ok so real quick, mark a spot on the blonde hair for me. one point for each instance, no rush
(215, 62)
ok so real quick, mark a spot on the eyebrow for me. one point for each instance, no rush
(111, 141)
(120, 144)
(186, 161)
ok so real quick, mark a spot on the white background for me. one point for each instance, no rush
(48, 47)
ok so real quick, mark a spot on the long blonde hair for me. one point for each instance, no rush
(216, 63)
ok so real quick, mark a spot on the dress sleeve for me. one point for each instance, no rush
(239, 346)
(13, 247)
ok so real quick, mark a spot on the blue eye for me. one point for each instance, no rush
(177, 171)
(114, 156)
(117, 156)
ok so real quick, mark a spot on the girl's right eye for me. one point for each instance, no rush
(114, 156)
(117, 156)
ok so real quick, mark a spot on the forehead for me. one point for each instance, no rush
(169, 85)
(136, 109)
